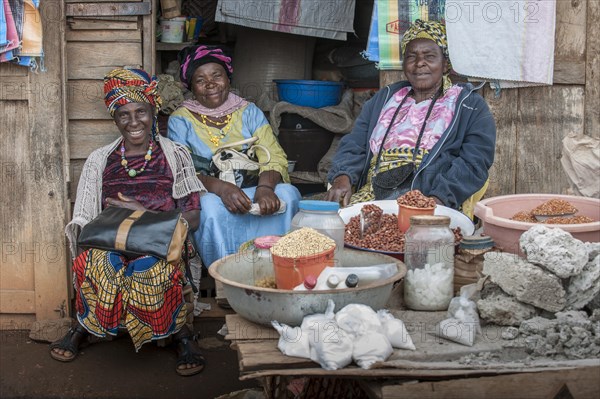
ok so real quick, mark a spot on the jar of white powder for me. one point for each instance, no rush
(429, 257)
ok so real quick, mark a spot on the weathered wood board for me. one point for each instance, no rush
(580, 383)
(94, 61)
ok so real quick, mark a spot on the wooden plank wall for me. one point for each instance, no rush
(532, 122)
(33, 266)
(96, 44)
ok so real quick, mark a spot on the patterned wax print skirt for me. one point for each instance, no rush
(143, 295)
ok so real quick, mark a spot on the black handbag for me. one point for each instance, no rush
(397, 181)
(136, 233)
(393, 183)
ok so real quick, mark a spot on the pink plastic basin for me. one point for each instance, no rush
(496, 212)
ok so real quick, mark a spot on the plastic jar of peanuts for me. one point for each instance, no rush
(429, 258)
(322, 216)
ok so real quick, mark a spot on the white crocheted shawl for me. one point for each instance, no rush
(88, 203)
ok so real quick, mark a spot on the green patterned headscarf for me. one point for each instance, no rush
(431, 30)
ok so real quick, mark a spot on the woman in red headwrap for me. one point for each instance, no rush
(137, 171)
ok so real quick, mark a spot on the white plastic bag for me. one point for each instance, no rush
(395, 331)
(329, 345)
(370, 348)
(292, 342)
(357, 319)
(457, 331)
(465, 310)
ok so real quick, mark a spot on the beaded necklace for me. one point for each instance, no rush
(132, 172)
(216, 138)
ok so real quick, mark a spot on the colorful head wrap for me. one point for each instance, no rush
(432, 30)
(192, 57)
(128, 85)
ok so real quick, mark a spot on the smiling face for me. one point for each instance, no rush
(210, 85)
(424, 65)
(134, 121)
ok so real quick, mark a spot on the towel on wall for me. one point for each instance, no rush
(393, 18)
(328, 19)
(502, 40)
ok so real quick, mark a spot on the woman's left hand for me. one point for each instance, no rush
(125, 202)
(266, 199)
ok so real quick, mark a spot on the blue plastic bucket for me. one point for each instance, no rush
(309, 93)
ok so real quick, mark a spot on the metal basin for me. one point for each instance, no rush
(238, 272)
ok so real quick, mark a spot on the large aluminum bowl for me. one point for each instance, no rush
(238, 272)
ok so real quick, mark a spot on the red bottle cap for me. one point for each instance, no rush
(310, 282)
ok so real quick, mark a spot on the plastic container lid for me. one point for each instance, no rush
(352, 280)
(265, 242)
(430, 220)
(310, 282)
(323, 206)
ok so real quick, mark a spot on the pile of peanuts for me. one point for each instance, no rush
(524, 216)
(415, 198)
(554, 207)
(384, 237)
(302, 242)
(569, 220)
(267, 282)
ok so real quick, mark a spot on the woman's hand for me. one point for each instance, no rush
(234, 199)
(340, 191)
(266, 199)
(125, 202)
(265, 195)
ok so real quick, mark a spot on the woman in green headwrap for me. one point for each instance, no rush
(424, 133)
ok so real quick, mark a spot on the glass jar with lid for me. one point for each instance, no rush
(429, 258)
(322, 216)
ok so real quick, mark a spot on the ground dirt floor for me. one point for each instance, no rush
(114, 370)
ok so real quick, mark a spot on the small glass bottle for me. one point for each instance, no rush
(429, 258)
(261, 257)
(322, 216)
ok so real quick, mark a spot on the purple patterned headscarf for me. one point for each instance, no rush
(192, 57)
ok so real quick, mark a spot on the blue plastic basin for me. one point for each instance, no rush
(309, 93)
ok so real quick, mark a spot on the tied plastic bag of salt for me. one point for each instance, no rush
(395, 330)
(292, 342)
(370, 343)
(329, 345)
(463, 323)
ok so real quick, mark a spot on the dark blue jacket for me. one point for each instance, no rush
(457, 165)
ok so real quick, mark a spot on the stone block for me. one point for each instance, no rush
(525, 281)
(584, 287)
(499, 308)
(554, 249)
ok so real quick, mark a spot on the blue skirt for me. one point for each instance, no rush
(221, 232)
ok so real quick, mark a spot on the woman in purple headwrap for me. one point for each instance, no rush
(232, 213)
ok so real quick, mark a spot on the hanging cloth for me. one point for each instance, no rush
(31, 47)
(9, 29)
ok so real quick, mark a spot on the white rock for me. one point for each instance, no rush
(554, 249)
(497, 307)
(526, 282)
(585, 286)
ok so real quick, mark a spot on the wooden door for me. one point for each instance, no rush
(34, 161)
(100, 36)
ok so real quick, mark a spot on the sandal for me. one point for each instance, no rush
(69, 343)
(188, 353)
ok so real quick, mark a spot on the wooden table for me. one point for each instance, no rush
(432, 371)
